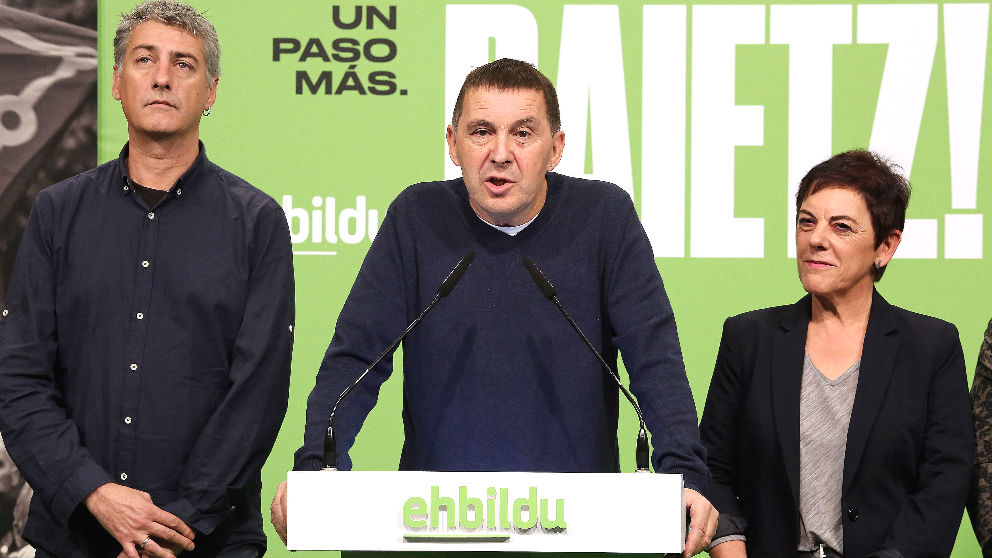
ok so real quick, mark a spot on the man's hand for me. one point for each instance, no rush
(278, 510)
(175, 549)
(130, 517)
(702, 522)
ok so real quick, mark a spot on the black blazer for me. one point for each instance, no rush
(909, 445)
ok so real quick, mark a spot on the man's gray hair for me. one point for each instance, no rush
(172, 13)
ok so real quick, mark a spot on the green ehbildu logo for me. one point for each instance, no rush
(498, 513)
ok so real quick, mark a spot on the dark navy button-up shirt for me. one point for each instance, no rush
(149, 347)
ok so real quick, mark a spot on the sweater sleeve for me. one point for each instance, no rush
(373, 315)
(645, 333)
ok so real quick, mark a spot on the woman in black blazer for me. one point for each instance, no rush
(840, 425)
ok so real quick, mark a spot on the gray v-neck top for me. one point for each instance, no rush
(824, 416)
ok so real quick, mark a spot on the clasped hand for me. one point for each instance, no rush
(141, 527)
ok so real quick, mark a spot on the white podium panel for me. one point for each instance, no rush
(512, 512)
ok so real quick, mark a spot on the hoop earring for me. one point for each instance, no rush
(206, 111)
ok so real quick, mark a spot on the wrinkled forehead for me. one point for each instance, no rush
(516, 100)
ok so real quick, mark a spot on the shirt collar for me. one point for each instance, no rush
(185, 181)
(510, 230)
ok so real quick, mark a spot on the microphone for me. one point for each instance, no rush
(443, 290)
(641, 453)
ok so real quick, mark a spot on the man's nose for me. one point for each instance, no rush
(162, 77)
(502, 152)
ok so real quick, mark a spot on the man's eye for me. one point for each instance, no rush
(481, 132)
(523, 134)
(183, 65)
(143, 60)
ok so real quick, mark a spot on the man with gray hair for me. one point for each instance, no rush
(145, 346)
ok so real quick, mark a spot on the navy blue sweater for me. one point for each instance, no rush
(495, 379)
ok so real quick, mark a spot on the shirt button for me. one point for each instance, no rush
(145, 263)
(151, 215)
(140, 316)
(291, 328)
(134, 366)
(179, 191)
(5, 312)
(124, 476)
(852, 514)
(127, 420)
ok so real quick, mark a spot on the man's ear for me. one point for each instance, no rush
(115, 89)
(449, 136)
(557, 149)
(212, 97)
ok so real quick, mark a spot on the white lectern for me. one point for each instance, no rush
(518, 512)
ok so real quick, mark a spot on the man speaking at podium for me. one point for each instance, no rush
(145, 349)
(495, 379)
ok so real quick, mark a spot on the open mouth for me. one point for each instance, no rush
(498, 186)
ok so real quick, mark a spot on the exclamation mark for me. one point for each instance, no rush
(965, 43)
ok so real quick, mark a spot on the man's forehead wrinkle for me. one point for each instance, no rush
(171, 53)
(187, 51)
(525, 106)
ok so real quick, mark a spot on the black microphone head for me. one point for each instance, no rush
(330, 449)
(642, 453)
(540, 279)
(455, 276)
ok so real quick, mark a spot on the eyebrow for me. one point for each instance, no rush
(528, 121)
(480, 122)
(173, 54)
(831, 218)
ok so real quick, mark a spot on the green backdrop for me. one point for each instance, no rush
(706, 112)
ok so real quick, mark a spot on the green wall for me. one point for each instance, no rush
(694, 177)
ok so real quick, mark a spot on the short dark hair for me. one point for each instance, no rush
(507, 73)
(878, 180)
